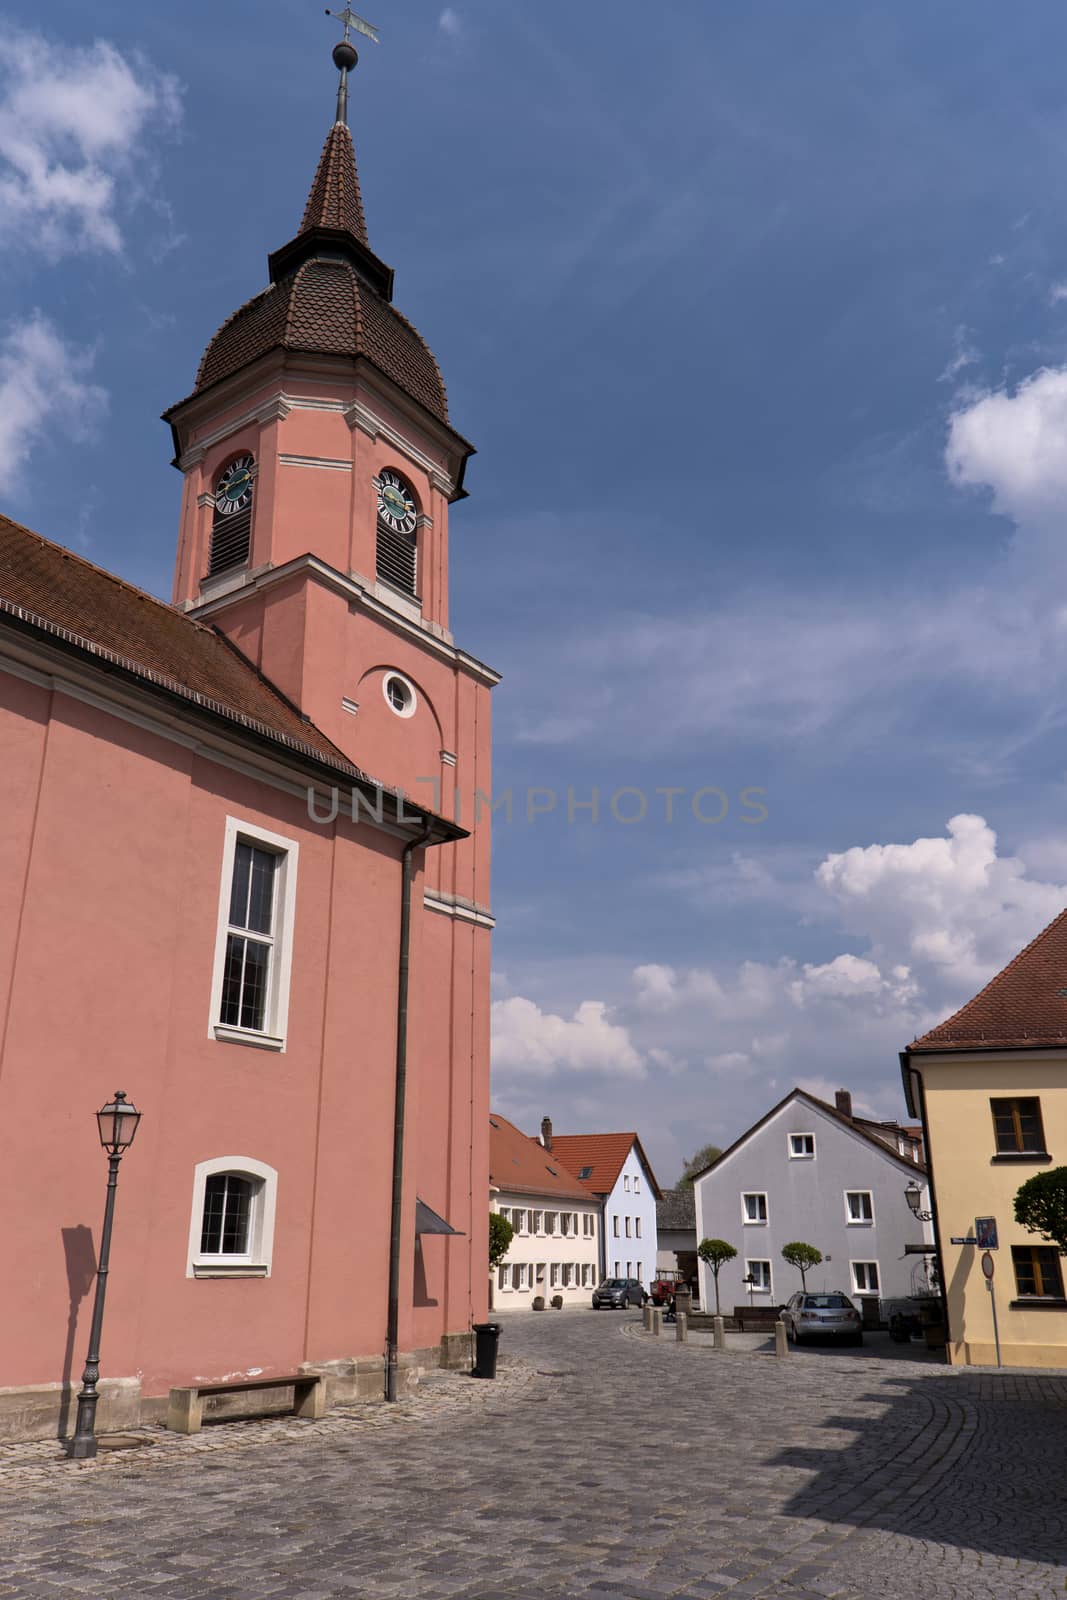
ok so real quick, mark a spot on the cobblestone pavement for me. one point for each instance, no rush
(602, 1465)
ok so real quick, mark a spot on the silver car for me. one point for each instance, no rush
(810, 1316)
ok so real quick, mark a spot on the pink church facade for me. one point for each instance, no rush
(207, 809)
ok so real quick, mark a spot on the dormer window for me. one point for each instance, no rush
(397, 557)
(231, 529)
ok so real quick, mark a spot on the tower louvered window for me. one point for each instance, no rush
(397, 557)
(231, 530)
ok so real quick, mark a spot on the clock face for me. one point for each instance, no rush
(234, 489)
(396, 504)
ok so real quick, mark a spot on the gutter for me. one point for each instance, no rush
(396, 1218)
(912, 1078)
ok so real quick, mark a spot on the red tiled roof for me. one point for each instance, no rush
(518, 1162)
(94, 609)
(335, 200)
(1023, 1007)
(603, 1153)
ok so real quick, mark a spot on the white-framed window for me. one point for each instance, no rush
(588, 1281)
(565, 1224)
(865, 1277)
(518, 1275)
(231, 1227)
(638, 1274)
(618, 1273)
(254, 939)
(760, 1273)
(859, 1206)
(753, 1207)
(637, 1227)
(537, 1222)
(503, 1277)
(637, 1183)
(553, 1275)
(801, 1146)
(627, 1227)
(629, 1269)
(399, 694)
(518, 1219)
(588, 1225)
(568, 1274)
(626, 1182)
(550, 1222)
(615, 1227)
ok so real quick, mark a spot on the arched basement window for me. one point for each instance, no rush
(397, 541)
(231, 530)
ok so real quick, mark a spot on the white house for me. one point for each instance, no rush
(613, 1168)
(808, 1171)
(556, 1245)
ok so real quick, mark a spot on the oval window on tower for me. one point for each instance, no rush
(399, 694)
(231, 529)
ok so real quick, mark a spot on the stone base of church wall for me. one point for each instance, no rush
(48, 1410)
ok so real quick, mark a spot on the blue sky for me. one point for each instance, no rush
(757, 315)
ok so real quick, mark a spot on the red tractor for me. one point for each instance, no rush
(665, 1286)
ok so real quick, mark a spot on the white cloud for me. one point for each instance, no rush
(1013, 445)
(449, 22)
(77, 129)
(43, 384)
(527, 1039)
(1057, 293)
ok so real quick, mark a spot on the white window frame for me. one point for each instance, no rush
(256, 1262)
(637, 1227)
(503, 1274)
(759, 1288)
(637, 1183)
(538, 1219)
(626, 1182)
(802, 1155)
(615, 1226)
(754, 1222)
(627, 1222)
(854, 1269)
(551, 1217)
(272, 1037)
(859, 1222)
(553, 1274)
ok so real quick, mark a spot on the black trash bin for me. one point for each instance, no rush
(486, 1339)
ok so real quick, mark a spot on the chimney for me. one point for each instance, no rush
(546, 1132)
(843, 1102)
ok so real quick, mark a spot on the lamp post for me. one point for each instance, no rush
(913, 1195)
(117, 1124)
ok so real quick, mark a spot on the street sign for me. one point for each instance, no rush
(985, 1230)
(961, 1240)
(988, 1267)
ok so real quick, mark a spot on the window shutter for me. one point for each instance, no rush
(230, 541)
(396, 558)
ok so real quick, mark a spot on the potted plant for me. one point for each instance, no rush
(538, 1302)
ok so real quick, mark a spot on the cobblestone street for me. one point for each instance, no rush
(602, 1465)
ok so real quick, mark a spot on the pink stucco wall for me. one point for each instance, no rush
(110, 864)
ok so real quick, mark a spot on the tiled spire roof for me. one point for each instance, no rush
(335, 200)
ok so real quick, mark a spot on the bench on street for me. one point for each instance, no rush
(756, 1319)
(185, 1412)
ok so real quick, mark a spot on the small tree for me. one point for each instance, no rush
(1041, 1206)
(715, 1253)
(703, 1158)
(501, 1234)
(803, 1257)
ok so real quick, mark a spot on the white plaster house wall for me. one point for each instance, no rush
(555, 1250)
(630, 1237)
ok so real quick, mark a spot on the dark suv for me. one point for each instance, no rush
(618, 1293)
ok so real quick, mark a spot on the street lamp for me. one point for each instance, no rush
(913, 1195)
(117, 1123)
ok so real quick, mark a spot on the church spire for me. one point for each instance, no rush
(335, 200)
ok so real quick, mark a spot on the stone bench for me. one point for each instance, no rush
(756, 1319)
(185, 1412)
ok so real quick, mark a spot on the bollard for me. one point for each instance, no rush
(657, 1321)
(781, 1343)
(681, 1328)
(718, 1328)
(646, 1312)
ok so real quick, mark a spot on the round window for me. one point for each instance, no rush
(399, 693)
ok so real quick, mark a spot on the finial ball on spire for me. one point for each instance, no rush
(345, 56)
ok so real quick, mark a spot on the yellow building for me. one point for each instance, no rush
(990, 1087)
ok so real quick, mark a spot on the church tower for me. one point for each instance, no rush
(320, 463)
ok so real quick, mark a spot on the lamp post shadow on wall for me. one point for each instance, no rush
(117, 1124)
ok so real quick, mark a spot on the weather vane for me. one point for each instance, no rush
(350, 20)
(345, 55)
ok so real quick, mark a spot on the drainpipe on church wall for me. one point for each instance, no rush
(393, 1321)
